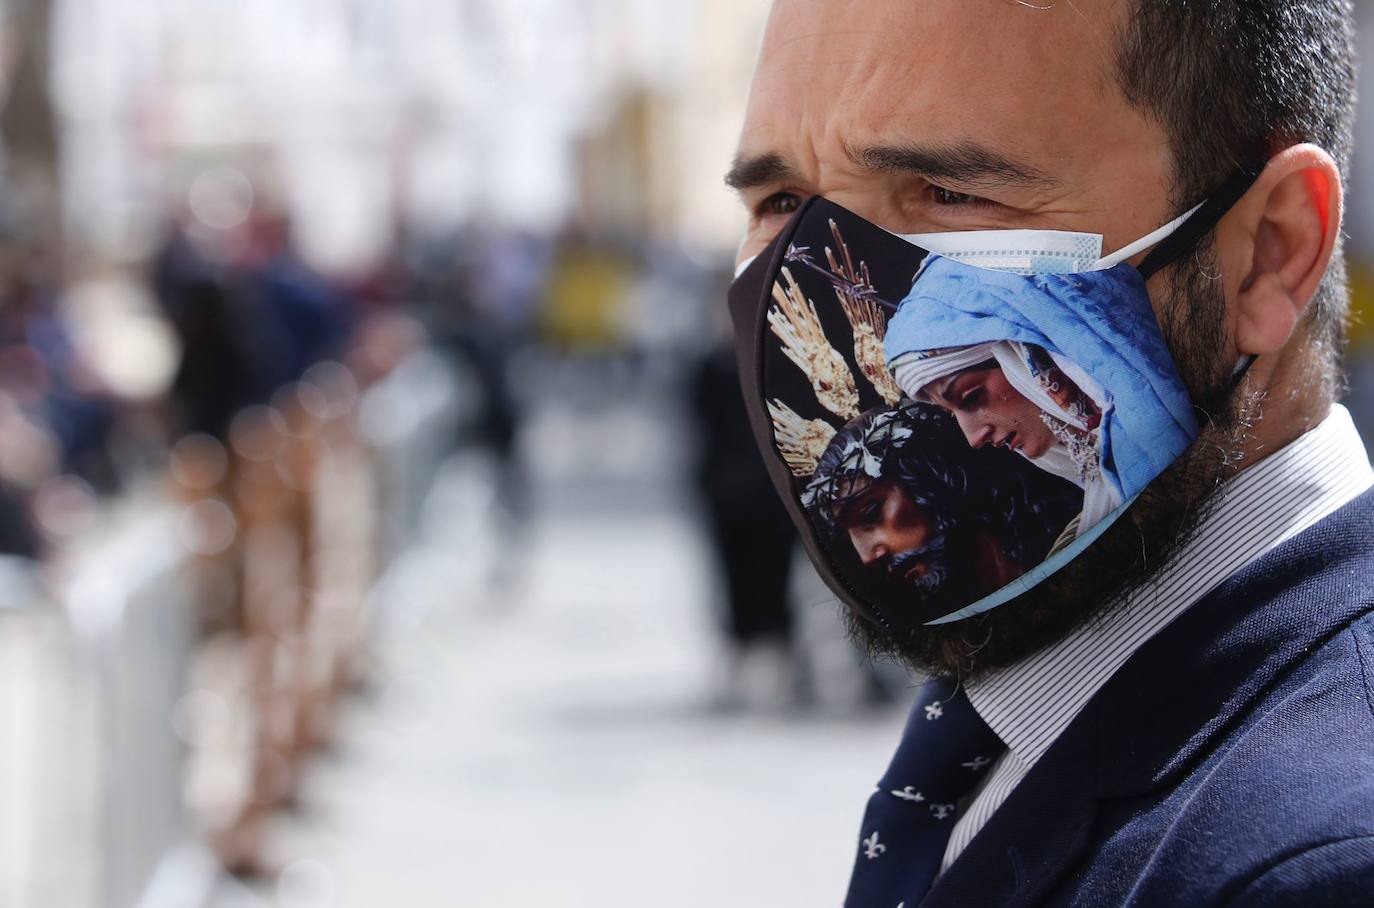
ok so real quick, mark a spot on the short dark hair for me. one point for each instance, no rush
(1235, 81)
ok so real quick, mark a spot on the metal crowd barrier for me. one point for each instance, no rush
(46, 832)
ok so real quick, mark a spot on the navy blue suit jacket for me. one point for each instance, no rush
(1229, 762)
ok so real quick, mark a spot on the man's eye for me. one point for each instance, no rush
(944, 196)
(780, 204)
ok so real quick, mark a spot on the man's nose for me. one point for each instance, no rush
(975, 430)
(873, 550)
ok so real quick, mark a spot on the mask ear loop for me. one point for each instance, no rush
(1181, 236)
(1129, 252)
(1241, 370)
(1199, 222)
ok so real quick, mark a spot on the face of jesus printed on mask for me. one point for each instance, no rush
(927, 518)
(887, 528)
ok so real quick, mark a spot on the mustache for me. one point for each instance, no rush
(932, 555)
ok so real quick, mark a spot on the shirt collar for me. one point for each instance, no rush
(1029, 704)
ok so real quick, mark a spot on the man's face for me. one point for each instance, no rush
(889, 531)
(991, 412)
(947, 115)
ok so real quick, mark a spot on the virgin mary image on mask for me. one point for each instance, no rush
(1068, 372)
(1018, 397)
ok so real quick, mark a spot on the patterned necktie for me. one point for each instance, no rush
(946, 750)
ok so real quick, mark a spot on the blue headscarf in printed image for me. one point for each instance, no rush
(1101, 321)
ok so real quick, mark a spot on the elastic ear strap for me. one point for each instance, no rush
(1238, 374)
(1187, 237)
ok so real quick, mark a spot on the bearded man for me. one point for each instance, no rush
(1183, 714)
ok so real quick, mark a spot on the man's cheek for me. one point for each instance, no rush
(755, 241)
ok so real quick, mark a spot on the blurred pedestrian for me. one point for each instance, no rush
(751, 538)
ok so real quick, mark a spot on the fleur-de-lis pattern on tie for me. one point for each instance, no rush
(945, 751)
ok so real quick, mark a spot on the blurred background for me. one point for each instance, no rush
(378, 519)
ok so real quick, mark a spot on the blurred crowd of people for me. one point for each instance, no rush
(56, 418)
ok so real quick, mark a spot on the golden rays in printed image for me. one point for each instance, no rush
(794, 319)
(801, 442)
(858, 297)
(796, 324)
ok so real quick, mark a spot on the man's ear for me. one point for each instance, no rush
(1291, 218)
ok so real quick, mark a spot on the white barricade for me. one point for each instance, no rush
(134, 624)
(47, 850)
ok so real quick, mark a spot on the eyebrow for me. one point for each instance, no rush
(967, 163)
(753, 171)
(847, 506)
(948, 386)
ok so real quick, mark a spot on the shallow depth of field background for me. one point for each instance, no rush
(355, 391)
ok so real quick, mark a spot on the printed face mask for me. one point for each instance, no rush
(951, 418)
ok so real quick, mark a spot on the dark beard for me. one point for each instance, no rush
(1141, 542)
(949, 583)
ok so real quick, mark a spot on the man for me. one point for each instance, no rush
(1184, 715)
(939, 521)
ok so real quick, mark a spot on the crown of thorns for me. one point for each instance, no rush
(874, 447)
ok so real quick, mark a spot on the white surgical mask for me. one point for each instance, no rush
(1017, 251)
(1029, 251)
(1036, 251)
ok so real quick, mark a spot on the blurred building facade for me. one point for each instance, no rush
(361, 116)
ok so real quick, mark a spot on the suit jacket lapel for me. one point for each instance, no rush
(1192, 683)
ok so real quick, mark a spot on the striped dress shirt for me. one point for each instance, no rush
(1030, 703)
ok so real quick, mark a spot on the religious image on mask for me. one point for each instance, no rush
(935, 472)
